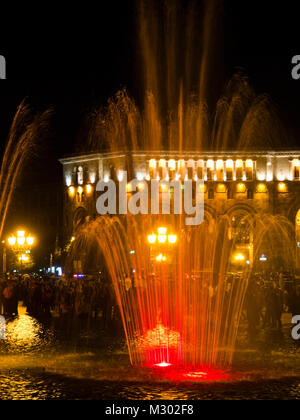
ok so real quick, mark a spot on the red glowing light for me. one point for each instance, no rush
(185, 374)
(163, 364)
(162, 346)
(195, 375)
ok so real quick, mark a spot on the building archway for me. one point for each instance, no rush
(241, 220)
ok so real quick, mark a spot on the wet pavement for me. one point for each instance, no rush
(49, 360)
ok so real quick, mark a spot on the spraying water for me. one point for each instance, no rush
(24, 132)
(176, 303)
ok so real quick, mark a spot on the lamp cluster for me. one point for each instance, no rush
(20, 239)
(164, 239)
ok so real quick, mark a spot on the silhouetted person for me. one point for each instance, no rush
(9, 300)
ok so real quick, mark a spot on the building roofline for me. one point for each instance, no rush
(76, 158)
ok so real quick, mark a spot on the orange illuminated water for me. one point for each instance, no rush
(178, 310)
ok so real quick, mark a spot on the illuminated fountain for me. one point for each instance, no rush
(176, 306)
(176, 303)
(25, 129)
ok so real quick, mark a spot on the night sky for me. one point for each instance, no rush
(77, 58)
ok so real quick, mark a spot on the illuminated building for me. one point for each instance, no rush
(241, 185)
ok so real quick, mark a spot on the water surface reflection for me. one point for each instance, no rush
(46, 359)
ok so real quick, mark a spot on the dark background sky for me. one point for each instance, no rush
(78, 57)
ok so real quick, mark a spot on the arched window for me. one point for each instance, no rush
(239, 169)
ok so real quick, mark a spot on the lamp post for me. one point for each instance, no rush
(239, 260)
(4, 258)
(161, 241)
(21, 245)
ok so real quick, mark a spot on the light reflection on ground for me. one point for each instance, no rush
(43, 362)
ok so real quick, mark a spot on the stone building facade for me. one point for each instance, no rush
(241, 185)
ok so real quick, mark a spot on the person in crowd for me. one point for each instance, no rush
(9, 299)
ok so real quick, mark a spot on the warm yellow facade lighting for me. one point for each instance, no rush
(261, 188)
(221, 188)
(172, 165)
(152, 163)
(71, 191)
(210, 164)
(241, 188)
(282, 187)
(89, 188)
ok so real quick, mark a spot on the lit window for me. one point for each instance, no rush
(220, 170)
(229, 170)
(162, 168)
(89, 189)
(210, 169)
(172, 165)
(239, 169)
(249, 170)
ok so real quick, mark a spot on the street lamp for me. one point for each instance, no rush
(239, 257)
(21, 244)
(162, 237)
(161, 240)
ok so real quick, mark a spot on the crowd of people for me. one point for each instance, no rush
(93, 298)
(45, 297)
(267, 300)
